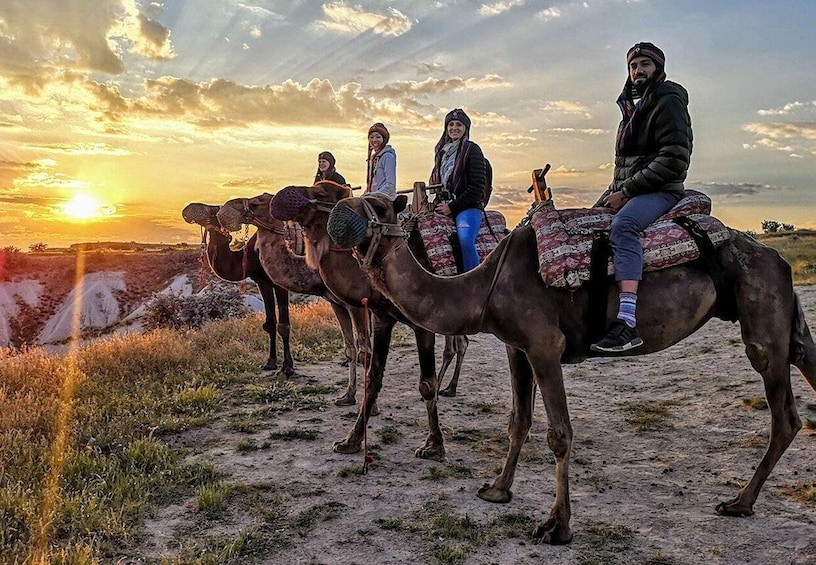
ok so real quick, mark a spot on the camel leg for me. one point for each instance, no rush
(521, 418)
(267, 290)
(383, 326)
(284, 329)
(556, 529)
(434, 446)
(347, 330)
(453, 344)
(765, 320)
(447, 356)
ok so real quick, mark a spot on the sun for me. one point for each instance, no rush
(85, 207)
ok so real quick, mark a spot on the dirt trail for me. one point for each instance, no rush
(637, 497)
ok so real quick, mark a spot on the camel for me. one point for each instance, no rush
(343, 276)
(235, 266)
(544, 327)
(290, 271)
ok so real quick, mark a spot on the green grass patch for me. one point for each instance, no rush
(803, 492)
(447, 471)
(798, 248)
(649, 416)
(389, 435)
(755, 402)
(306, 521)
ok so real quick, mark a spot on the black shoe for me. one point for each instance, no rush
(619, 337)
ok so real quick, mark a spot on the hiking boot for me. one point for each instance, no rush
(619, 337)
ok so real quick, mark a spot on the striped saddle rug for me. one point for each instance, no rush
(438, 231)
(564, 238)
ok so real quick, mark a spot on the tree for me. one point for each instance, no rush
(38, 247)
(772, 226)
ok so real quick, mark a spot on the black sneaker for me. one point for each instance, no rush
(619, 337)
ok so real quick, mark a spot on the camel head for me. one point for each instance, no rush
(202, 214)
(361, 222)
(239, 211)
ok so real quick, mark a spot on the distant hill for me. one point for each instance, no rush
(34, 286)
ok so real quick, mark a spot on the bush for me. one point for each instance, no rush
(217, 301)
(772, 226)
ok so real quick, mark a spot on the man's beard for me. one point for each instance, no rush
(640, 87)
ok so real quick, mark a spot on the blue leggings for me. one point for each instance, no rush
(467, 228)
(627, 226)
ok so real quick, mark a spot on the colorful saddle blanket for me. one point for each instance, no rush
(564, 239)
(436, 231)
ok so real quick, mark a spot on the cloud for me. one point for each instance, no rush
(566, 107)
(250, 183)
(40, 43)
(549, 14)
(561, 170)
(507, 140)
(345, 19)
(433, 86)
(496, 8)
(788, 109)
(585, 131)
(793, 138)
(730, 190)
(90, 148)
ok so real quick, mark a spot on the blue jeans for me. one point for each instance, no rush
(467, 228)
(627, 226)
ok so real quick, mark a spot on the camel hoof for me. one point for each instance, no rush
(552, 532)
(734, 508)
(346, 446)
(269, 366)
(344, 363)
(288, 370)
(433, 452)
(492, 494)
(447, 391)
(375, 410)
(345, 400)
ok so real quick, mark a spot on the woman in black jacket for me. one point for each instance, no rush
(326, 170)
(459, 166)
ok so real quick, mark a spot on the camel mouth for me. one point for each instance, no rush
(346, 228)
(229, 218)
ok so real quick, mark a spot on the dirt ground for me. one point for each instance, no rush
(637, 496)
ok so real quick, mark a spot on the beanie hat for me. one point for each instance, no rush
(646, 49)
(457, 114)
(328, 157)
(380, 128)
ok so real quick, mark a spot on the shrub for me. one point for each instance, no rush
(216, 302)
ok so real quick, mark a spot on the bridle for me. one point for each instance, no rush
(377, 230)
(251, 218)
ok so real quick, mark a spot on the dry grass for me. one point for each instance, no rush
(81, 447)
(798, 248)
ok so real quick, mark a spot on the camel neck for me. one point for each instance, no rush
(444, 305)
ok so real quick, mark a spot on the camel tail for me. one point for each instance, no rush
(802, 349)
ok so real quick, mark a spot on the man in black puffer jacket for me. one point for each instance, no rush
(652, 155)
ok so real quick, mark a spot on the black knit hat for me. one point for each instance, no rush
(646, 49)
(457, 114)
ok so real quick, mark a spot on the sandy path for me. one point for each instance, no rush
(656, 489)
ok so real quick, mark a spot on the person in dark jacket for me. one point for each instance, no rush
(326, 169)
(652, 155)
(459, 165)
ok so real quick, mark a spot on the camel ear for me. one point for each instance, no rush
(400, 203)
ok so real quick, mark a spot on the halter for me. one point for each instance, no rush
(376, 229)
(250, 215)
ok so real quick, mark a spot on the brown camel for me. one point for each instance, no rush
(343, 276)
(291, 272)
(544, 327)
(235, 266)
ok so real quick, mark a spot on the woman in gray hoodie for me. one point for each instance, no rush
(381, 164)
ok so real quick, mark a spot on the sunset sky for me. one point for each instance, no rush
(114, 114)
